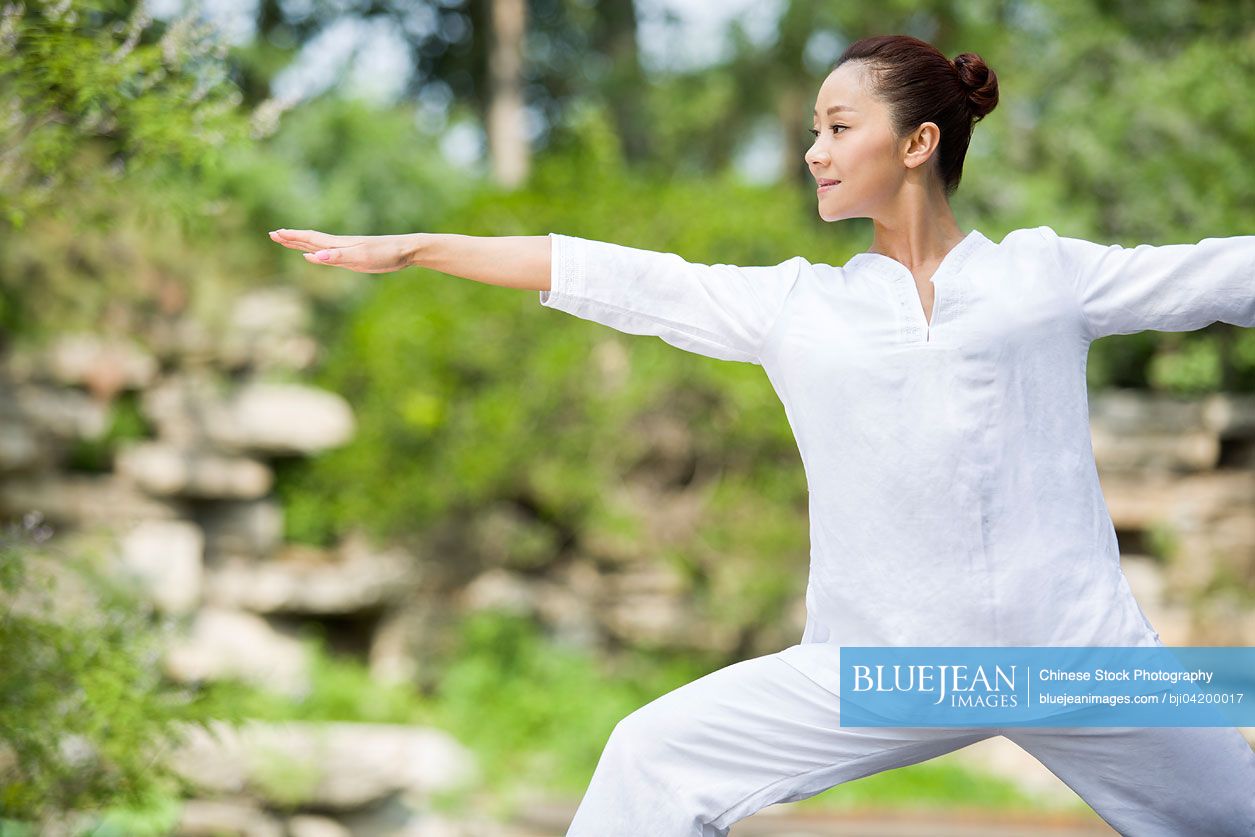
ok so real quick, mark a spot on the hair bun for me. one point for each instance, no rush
(980, 81)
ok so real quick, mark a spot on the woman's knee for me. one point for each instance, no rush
(648, 761)
(639, 735)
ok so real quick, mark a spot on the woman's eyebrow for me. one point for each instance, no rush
(835, 108)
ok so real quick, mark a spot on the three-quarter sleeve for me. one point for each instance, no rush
(1166, 287)
(719, 310)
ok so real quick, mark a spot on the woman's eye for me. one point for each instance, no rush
(815, 132)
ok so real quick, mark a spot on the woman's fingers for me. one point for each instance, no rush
(307, 239)
(362, 253)
(287, 242)
(290, 240)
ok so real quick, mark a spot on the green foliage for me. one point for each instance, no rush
(119, 124)
(537, 711)
(78, 74)
(84, 711)
(341, 690)
(1121, 361)
(1229, 582)
(348, 166)
(1188, 366)
(1163, 541)
(157, 818)
(285, 778)
(1241, 353)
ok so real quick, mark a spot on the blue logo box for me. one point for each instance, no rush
(1055, 686)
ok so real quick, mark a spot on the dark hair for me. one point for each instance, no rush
(920, 85)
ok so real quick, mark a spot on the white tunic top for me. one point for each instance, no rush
(954, 497)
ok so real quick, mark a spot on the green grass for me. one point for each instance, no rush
(933, 785)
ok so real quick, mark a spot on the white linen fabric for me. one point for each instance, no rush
(696, 760)
(953, 494)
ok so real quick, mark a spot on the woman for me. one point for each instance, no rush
(936, 387)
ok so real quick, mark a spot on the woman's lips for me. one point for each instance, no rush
(823, 189)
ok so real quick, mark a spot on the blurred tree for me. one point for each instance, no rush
(508, 147)
(625, 83)
(497, 56)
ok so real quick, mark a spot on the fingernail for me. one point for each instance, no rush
(323, 254)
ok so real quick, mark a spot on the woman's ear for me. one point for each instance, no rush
(921, 144)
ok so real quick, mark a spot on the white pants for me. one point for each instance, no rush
(697, 759)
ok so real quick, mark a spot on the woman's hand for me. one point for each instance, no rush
(362, 253)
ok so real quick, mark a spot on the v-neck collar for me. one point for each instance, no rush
(952, 261)
(915, 326)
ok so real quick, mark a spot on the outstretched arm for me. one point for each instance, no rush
(1167, 287)
(721, 311)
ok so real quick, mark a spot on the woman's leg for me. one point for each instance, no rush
(714, 751)
(1154, 781)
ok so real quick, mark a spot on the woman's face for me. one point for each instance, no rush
(854, 144)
